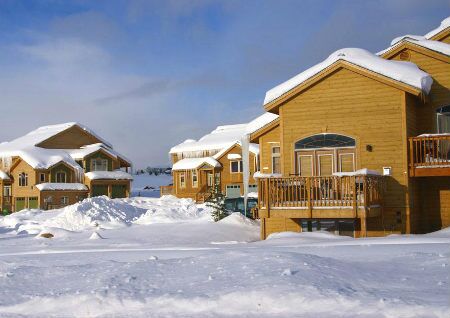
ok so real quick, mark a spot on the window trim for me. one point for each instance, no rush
(346, 154)
(64, 200)
(42, 177)
(316, 138)
(181, 176)
(61, 173)
(194, 173)
(275, 155)
(23, 182)
(103, 161)
(240, 166)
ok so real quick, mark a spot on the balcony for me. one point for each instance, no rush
(321, 197)
(429, 155)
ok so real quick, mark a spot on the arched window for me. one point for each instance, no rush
(325, 141)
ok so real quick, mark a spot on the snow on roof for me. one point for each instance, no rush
(436, 46)
(253, 148)
(259, 122)
(4, 175)
(61, 186)
(194, 163)
(219, 138)
(404, 72)
(444, 25)
(109, 175)
(43, 158)
(89, 149)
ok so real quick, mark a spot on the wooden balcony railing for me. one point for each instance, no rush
(429, 155)
(166, 190)
(354, 192)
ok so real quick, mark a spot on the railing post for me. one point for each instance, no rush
(308, 194)
(411, 156)
(267, 197)
(355, 194)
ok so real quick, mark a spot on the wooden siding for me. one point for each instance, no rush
(71, 138)
(56, 197)
(113, 163)
(266, 142)
(70, 174)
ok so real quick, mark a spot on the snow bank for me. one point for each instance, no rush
(238, 219)
(109, 175)
(61, 186)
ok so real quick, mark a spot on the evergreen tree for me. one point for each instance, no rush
(216, 201)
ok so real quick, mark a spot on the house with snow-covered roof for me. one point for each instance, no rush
(57, 165)
(216, 158)
(361, 146)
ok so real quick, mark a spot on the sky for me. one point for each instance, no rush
(146, 75)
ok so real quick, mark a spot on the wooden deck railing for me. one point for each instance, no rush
(321, 192)
(166, 190)
(431, 151)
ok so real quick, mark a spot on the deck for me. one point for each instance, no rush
(429, 155)
(321, 197)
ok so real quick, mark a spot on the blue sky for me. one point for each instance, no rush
(148, 74)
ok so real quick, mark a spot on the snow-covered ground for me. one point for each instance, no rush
(145, 185)
(147, 257)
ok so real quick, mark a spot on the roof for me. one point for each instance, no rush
(195, 163)
(108, 175)
(444, 25)
(26, 147)
(404, 72)
(219, 138)
(61, 186)
(253, 148)
(436, 46)
(260, 122)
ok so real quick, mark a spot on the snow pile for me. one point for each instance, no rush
(109, 175)
(169, 209)
(404, 72)
(239, 219)
(61, 186)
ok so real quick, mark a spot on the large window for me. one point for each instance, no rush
(276, 160)
(325, 141)
(41, 177)
(236, 166)
(99, 164)
(443, 120)
(194, 179)
(23, 179)
(61, 177)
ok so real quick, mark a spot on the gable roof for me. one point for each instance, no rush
(444, 26)
(253, 148)
(398, 71)
(416, 40)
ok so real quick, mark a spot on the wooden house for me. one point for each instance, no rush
(54, 166)
(215, 159)
(362, 141)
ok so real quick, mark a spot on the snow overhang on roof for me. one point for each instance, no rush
(61, 187)
(436, 46)
(403, 72)
(445, 24)
(260, 122)
(109, 175)
(195, 163)
(4, 176)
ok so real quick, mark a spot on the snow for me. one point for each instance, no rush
(90, 149)
(404, 72)
(194, 163)
(436, 46)
(444, 25)
(109, 175)
(61, 186)
(148, 185)
(4, 175)
(234, 156)
(260, 175)
(360, 172)
(193, 267)
(260, 122)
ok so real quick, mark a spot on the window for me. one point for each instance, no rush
(64, 200)
(443, 120)
(182, 180)
(194, 179)
(276, 160)
(236, 166)
(23, 179)
(325, 141)
(42, 177)
(6, 191)
(99, 164)
(61, 177)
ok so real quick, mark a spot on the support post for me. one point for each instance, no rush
(267, 198)
(308, 193)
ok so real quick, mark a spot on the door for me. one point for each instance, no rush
(305, 163)
(20, 204)
(33, 203)
(346, 160)
(98, 190)
(119, 191)
(233, 191)
(324, 161)
(210, 179)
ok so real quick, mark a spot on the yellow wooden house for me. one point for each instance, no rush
(54, 166)
(361, 143)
